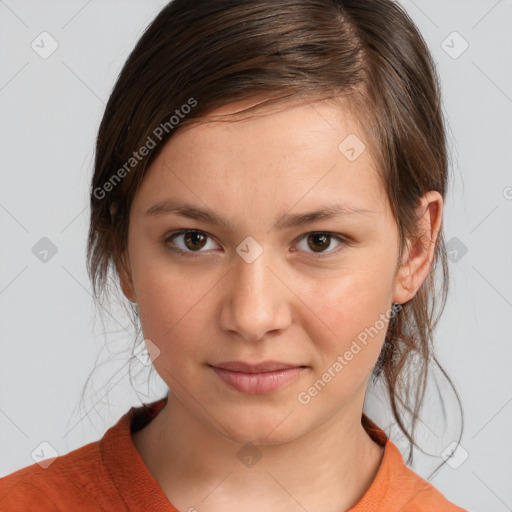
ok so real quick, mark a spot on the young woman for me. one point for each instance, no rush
(268, 189)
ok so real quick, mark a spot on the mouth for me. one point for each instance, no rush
(259, 378)
(265, 366)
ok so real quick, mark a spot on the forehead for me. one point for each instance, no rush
(301, 117)
(304, 151)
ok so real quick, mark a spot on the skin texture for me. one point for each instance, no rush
(299, 302)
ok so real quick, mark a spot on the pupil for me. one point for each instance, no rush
(193, 237)
(319, 237)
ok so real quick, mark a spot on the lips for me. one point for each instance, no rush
(256, 379)
(266, 366)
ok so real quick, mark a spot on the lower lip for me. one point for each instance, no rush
(257, 383)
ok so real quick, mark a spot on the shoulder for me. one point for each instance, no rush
(398, 487)
(104, 475)
(69, 480)
(414, 492)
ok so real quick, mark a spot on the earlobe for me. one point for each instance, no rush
(419, 253)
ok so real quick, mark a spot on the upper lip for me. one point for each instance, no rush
(265, 366)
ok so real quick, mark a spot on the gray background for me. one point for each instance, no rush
(50, 335)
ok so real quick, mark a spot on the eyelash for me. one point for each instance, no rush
(194, 254)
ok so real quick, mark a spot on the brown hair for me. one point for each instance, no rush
(208, 53)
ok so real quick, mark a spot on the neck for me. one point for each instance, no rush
(332, 464)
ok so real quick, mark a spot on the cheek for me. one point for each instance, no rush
(173, 310)
(347, 333)
(347, 317)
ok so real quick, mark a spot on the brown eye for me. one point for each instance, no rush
(194, 240)
(319, 241)
(188, 241)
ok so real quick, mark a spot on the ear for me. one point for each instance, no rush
(419, 253)
(123, 267)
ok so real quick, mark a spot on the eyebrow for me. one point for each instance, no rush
(184, 209)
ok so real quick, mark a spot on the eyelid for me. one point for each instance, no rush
(342, 239)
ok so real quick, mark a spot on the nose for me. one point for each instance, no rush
(256, 301)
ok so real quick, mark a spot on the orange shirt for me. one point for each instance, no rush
(109, 475)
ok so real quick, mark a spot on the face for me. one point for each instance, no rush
(265, 281)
